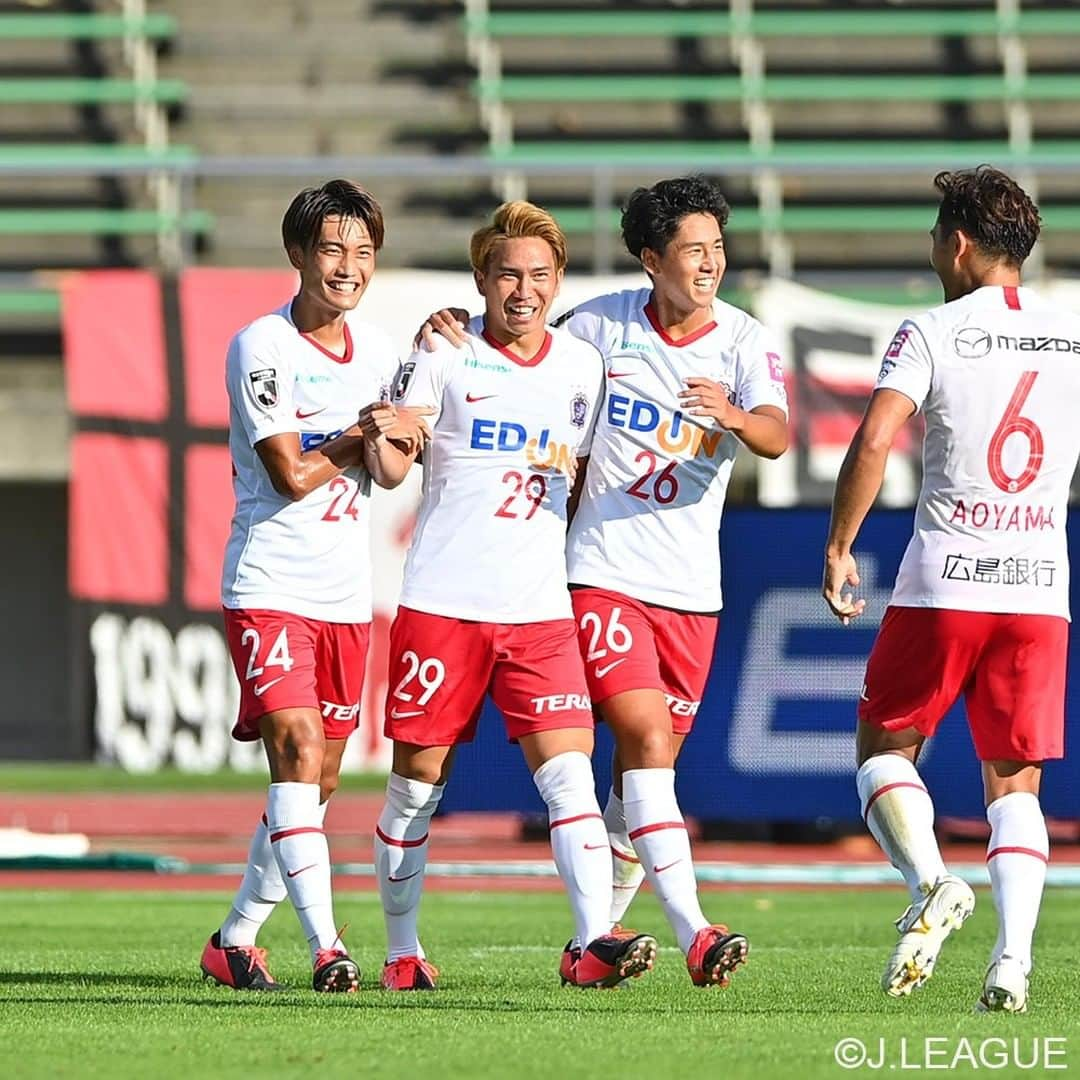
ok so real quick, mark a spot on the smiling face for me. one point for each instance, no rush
(519, 284)
(689, 270)
(336, 270)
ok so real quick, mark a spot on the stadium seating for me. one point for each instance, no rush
(83, 102)
(822, 121)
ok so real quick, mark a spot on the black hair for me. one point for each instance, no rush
(303, 221)
(992, 209)
(652, 215)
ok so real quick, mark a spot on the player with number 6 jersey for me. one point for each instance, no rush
(484, 605)
(981, 602)
(308, 389)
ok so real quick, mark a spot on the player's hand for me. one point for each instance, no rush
(411, 431)
(449, 323)
(703, 397)
(841, 571)
(376, 419)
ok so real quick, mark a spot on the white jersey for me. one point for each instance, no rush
(649, 520)
(997, 375)
(311, 557)
(490, 535)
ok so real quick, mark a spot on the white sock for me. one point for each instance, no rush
(401, 846)
(579, 840)
(658, 833)
(261, 890)
(626, 871)
(1016, 857)
(899, 813)
(294, 820)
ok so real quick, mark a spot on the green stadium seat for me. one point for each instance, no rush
(864, 218)
(811, 23)
(104, 222)
(42, 26)
(90, 157)
(89, 91)
(807, 156)
(589, 88)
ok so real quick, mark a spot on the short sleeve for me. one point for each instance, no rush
(761, 372)
(907, 365)
(587, 322)
(421, 380)
(597, 387)
(260, 384)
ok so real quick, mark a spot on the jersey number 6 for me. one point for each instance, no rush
(1012, 423)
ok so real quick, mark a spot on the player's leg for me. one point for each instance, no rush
(1016, 709)
(262, 887)
(295, 744)
(539, 685)
(413, 791)
(1016, 857)
(275, 658)
(597, 956)
(616, 644)
(439, 671)
(920, 661)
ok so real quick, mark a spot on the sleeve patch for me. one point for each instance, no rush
(264, 383)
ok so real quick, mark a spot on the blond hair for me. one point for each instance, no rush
(511, 221)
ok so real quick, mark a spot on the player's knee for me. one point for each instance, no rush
(328, 784)
(648, 749)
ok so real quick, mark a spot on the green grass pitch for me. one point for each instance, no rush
(107, 985)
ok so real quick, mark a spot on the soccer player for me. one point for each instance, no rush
(688, 379)
(484, 606)
(296, 585)
(980, 605)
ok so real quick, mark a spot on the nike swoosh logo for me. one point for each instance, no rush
(618, 374)
(397, 714)
(595, 847)
(304, 415)
(390, 877)
(293, 873)
(473, 398)
(602, 671)
(260, 690)
(666, 866)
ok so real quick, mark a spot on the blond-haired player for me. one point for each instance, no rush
(484, 605)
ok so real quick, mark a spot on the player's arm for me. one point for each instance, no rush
(393, 438)
(295, 473)
(762, 430)
(857, 487)
(577, 485)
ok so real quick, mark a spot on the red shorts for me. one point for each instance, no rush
(286, 661)
(629, 645)
(1010, 669)
(441, 668)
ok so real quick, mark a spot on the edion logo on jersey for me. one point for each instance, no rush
(506, 436)
(675, 434)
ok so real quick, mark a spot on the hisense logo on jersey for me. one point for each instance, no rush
(640, 346)
(675, 433)
(1037, 344)
(487, 365)
(541, 450)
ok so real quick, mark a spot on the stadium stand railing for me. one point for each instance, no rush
(76, 76)
(809, 84)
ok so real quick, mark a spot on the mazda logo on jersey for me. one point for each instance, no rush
(972, 342)
(264, 383)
